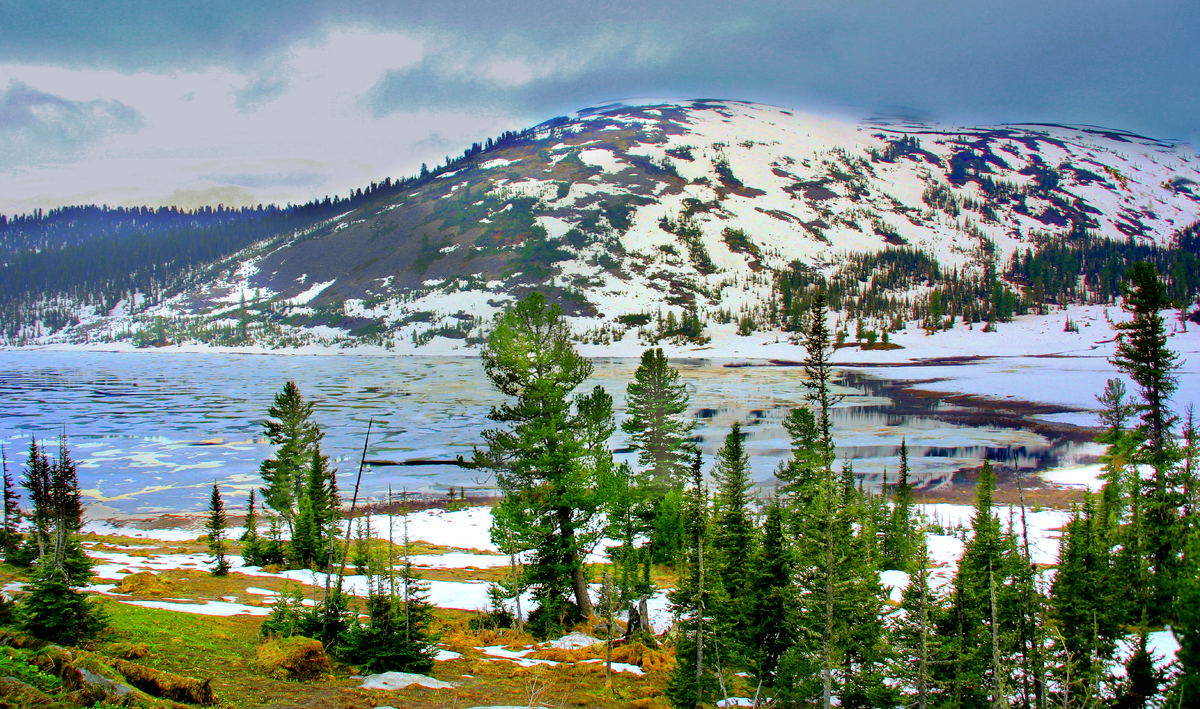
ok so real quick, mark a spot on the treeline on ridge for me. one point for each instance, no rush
(53, 260)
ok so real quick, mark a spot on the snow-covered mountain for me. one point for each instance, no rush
(630, 213)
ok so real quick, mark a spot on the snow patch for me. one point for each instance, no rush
(400, 680)
(308, 295)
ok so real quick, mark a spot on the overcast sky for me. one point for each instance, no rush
(241, 102)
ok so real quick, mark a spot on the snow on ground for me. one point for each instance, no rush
(116, 565)
(400, 680)
(307, 296)
(1083, 476)
(459, 560)
(1025, 360)
(460, 529)
(574, 641)
(515, 656)
(470, 529)
(108, 528)
(616, 666)
(220, 608)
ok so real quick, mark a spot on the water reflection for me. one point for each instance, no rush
(152, 431)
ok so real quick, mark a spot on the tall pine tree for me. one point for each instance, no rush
(541, 464)
(290, 427)
(1143, 355)
(733, 545)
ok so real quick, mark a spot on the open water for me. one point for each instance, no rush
(151, 431)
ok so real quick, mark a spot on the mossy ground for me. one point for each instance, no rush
(225, 649)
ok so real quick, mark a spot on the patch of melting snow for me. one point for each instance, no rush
(400, 680)
(216, 608)
(574, 641)
(617, 666)
(305, 297)
(500, 652)
(447, 655)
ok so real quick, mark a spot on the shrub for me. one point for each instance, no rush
(296, 657)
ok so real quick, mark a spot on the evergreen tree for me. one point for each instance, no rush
(1142, 679)
(733, 544)
(290, 428)
(655, 404)
(317, 516)
(12, 513)
(1080, 599)
(864, 647)
(1115, 413)
(966, 669)
(398, 634)
(627, 514)
(53, 609)
(251, 551)
(805, 467)
(216, 526)
(37, 482)
(1143, 355)
(694, 680)
(818, 376)
(898, 542)
(1187, 626)
(916, 640)
(541, 465)
(306, 545)
(271, 550)
(322, 492)
(823, 538)
(772, 596)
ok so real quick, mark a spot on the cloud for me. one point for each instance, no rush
(269, 180)
(280, 93)
(259, 92)
(228, 195)
(527, 71)
(36, 126)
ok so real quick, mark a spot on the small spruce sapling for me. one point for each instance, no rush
(216, 527)
(251, 552)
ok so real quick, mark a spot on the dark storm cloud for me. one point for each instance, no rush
(39, 127)
(1112, 62)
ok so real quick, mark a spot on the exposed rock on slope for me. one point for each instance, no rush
(627, 211)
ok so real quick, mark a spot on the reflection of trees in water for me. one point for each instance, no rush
(886, 411)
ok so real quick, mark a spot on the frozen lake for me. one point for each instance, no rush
(152, 430)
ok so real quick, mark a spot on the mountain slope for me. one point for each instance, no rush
(694, 209)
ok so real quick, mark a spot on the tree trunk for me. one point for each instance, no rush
(827, 634)
(578, 577)
(700, 620)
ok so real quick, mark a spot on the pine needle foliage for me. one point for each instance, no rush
(216, 526)
(54, 609)
(546, 470)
